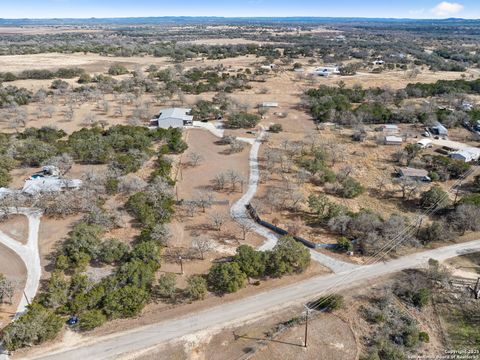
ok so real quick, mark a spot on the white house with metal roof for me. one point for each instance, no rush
(39, 185)
(326, 71)
(468, 154)
(174, 118)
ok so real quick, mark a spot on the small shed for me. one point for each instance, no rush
(393, 140)
(390, 129)
(438, 129)
(412, 173)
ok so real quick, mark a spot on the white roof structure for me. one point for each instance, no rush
(174, 117)
(424, 143)
(393, 140)
(326, 70)
(467, 154)
(49, 184)
(269, 104)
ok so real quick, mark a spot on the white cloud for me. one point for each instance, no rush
(446, 8)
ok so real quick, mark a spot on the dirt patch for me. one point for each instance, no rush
(51, 232)
(14, 269)
(16, 227)
(330, 338)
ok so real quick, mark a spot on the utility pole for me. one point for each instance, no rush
(307, 312)
(420, 222)
(181, 264)
(456, 196)
(26, 298)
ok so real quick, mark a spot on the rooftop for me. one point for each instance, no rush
(412, 172)
(177, 113)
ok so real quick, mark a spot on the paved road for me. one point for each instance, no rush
(28, 253)
(236, 312)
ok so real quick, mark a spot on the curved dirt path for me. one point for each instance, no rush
(238, 210)
(28, 253)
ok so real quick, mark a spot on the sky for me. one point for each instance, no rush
(426, 9)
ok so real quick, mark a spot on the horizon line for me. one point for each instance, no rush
(234, 17)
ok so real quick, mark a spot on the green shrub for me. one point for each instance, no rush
(126, 301)
(275, 128)
(196, 287)
(423, 337)
(117, 69)
(242, 120)
(36, 326)
(91, 319)
(226, 277)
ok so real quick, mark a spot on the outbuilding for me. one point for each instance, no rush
(466, 155)
(425, 143)
(393, 140)
(438, 129)
(269, 104)
(174, 118)
(326, 70)
(415, 174)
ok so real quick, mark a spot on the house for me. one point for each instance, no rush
(173, 118)
(269, 104)
(466, 155)
(326, 71)
(425, 143)
(393, 140)
(415, 174)
(39, 185)
(438, 129)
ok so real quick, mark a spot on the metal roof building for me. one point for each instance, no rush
(174, 117)
(466, 155)
(49, 184)
(417, 174)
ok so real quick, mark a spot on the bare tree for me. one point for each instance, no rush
(204, 199)
(195, 158)
(191, 207)
(89, 119)
(63, 162)
(234, 178)
(236, 146)
(408, 187)
(218, 220)
(50, 110)
(202, 245)
(246, 227)
(219, 181)
(131, 184)
(7, 289)
(161, 234)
